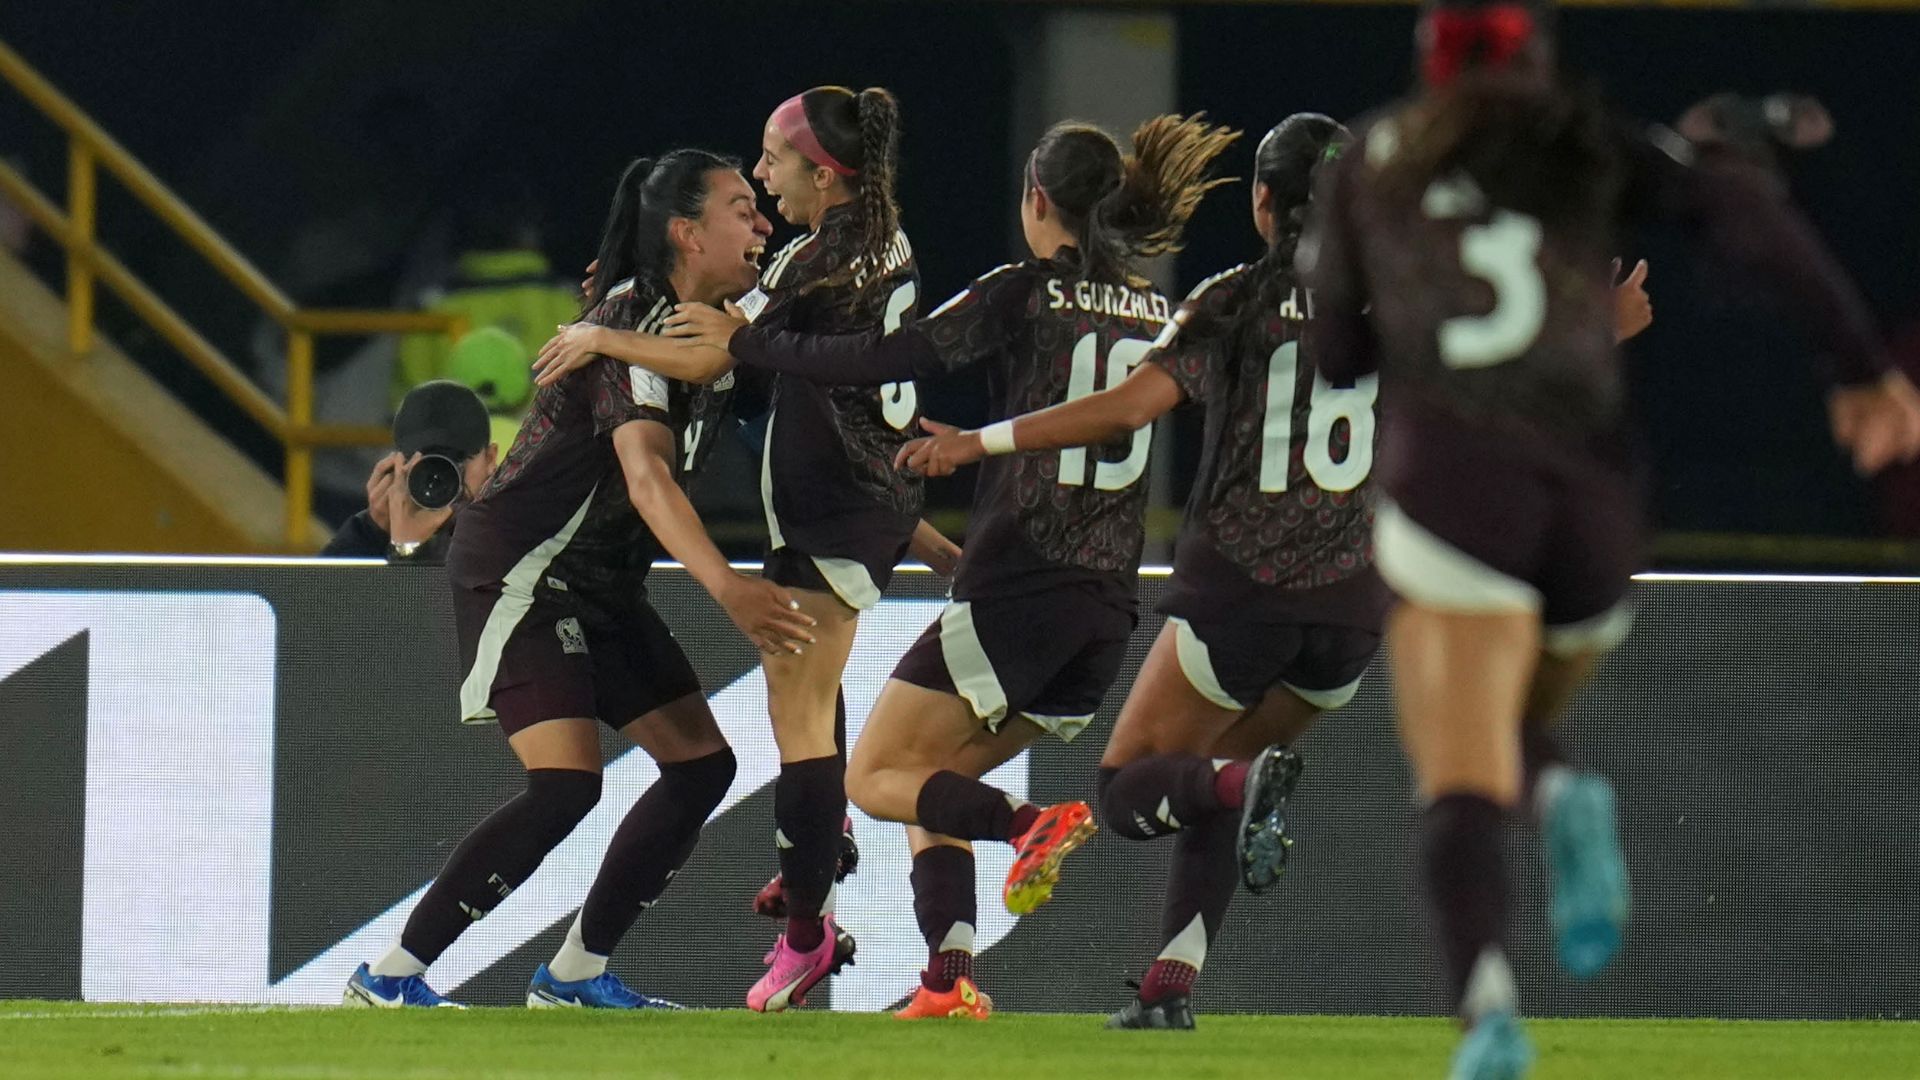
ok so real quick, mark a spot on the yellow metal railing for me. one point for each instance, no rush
(91, 150)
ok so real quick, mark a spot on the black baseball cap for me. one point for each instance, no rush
(443, 416)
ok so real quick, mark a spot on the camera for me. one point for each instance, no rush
(434, 482)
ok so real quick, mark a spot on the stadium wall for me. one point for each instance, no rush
(231, 779)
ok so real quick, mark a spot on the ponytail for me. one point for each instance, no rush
(879, 115)
(1122, 208)
(650, 194)
(619, 247)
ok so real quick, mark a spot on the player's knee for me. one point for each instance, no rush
(865, 790)
(563, 797)
(702, 782)
(1117, 806)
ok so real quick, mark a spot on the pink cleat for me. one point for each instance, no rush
(791, 973)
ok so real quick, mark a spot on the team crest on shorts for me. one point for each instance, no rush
(572, 638)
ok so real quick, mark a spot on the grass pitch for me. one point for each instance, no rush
(106, 1042)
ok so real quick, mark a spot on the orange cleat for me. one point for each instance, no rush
(1036, 868)
(964, 1002)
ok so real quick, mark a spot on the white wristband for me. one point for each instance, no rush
(997, 439)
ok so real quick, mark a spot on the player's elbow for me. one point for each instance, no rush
(648, 485)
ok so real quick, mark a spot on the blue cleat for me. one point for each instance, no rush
(1263, 841)
(1493, 1049)
(604, 991)
(365, 990)
(1590, 893)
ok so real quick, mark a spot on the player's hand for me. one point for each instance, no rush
(945, 449)
(698, 324)
(1632, 308)
(572, 347)
(409, 520)
(932, 547)
(768, 615)
(379, 486)
(1878, 422)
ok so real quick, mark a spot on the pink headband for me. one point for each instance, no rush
(791, 119)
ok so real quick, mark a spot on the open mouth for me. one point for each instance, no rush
(754, 254)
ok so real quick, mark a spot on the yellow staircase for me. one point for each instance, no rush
(99, 456)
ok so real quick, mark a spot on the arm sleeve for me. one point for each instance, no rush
(1189, 347)
(966, 329)
(1734, 209)
(1339, 336)
(620, 393)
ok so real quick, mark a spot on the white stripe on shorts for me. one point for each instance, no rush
(1428, 571)
(516, 597)
(850, 580)
(1196, 663)
(967, 665)
(1325, 700)
(1596, 635)
(1063, 728)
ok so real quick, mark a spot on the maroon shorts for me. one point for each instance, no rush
(1473, 522)
(1235, 664)
(1049, 656)
(545, 654)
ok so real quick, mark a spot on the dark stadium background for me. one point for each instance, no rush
(267, 114)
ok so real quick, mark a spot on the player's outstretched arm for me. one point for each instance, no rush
(574, 345)
(1140, 399)
(764, 612)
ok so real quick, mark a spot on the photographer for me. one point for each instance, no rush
(443, 453)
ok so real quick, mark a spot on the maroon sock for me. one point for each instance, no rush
(964, 808)
(1201, 879)
(1463, 868)
(1164, 794)
(1167, 978)
(943, 900)
(651, 844)
(809, 803)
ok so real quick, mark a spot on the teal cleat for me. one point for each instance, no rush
(1590, 892)
(1495, 1048)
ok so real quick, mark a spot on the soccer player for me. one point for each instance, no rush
(1274, 609)
(1463, 252)
(1045, 593)
(548, 571)
(839, 516)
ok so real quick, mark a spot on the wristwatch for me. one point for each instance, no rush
(404, 549)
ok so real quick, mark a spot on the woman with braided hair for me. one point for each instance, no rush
(839, 516)
(1044, 597)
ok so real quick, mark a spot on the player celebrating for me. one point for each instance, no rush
(1274, 609)
(548, 569)
(839, 516)
(1476, 224)
(1044, 596)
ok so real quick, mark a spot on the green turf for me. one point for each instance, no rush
(104, 1042)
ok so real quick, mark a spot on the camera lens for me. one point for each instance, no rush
(434, 482)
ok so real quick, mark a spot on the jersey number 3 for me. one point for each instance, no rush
(1504, 253)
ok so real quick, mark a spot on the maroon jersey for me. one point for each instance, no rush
(558, 502)
(1488, 318)
(828, 480)
(1044, 518)
(1282, 500)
